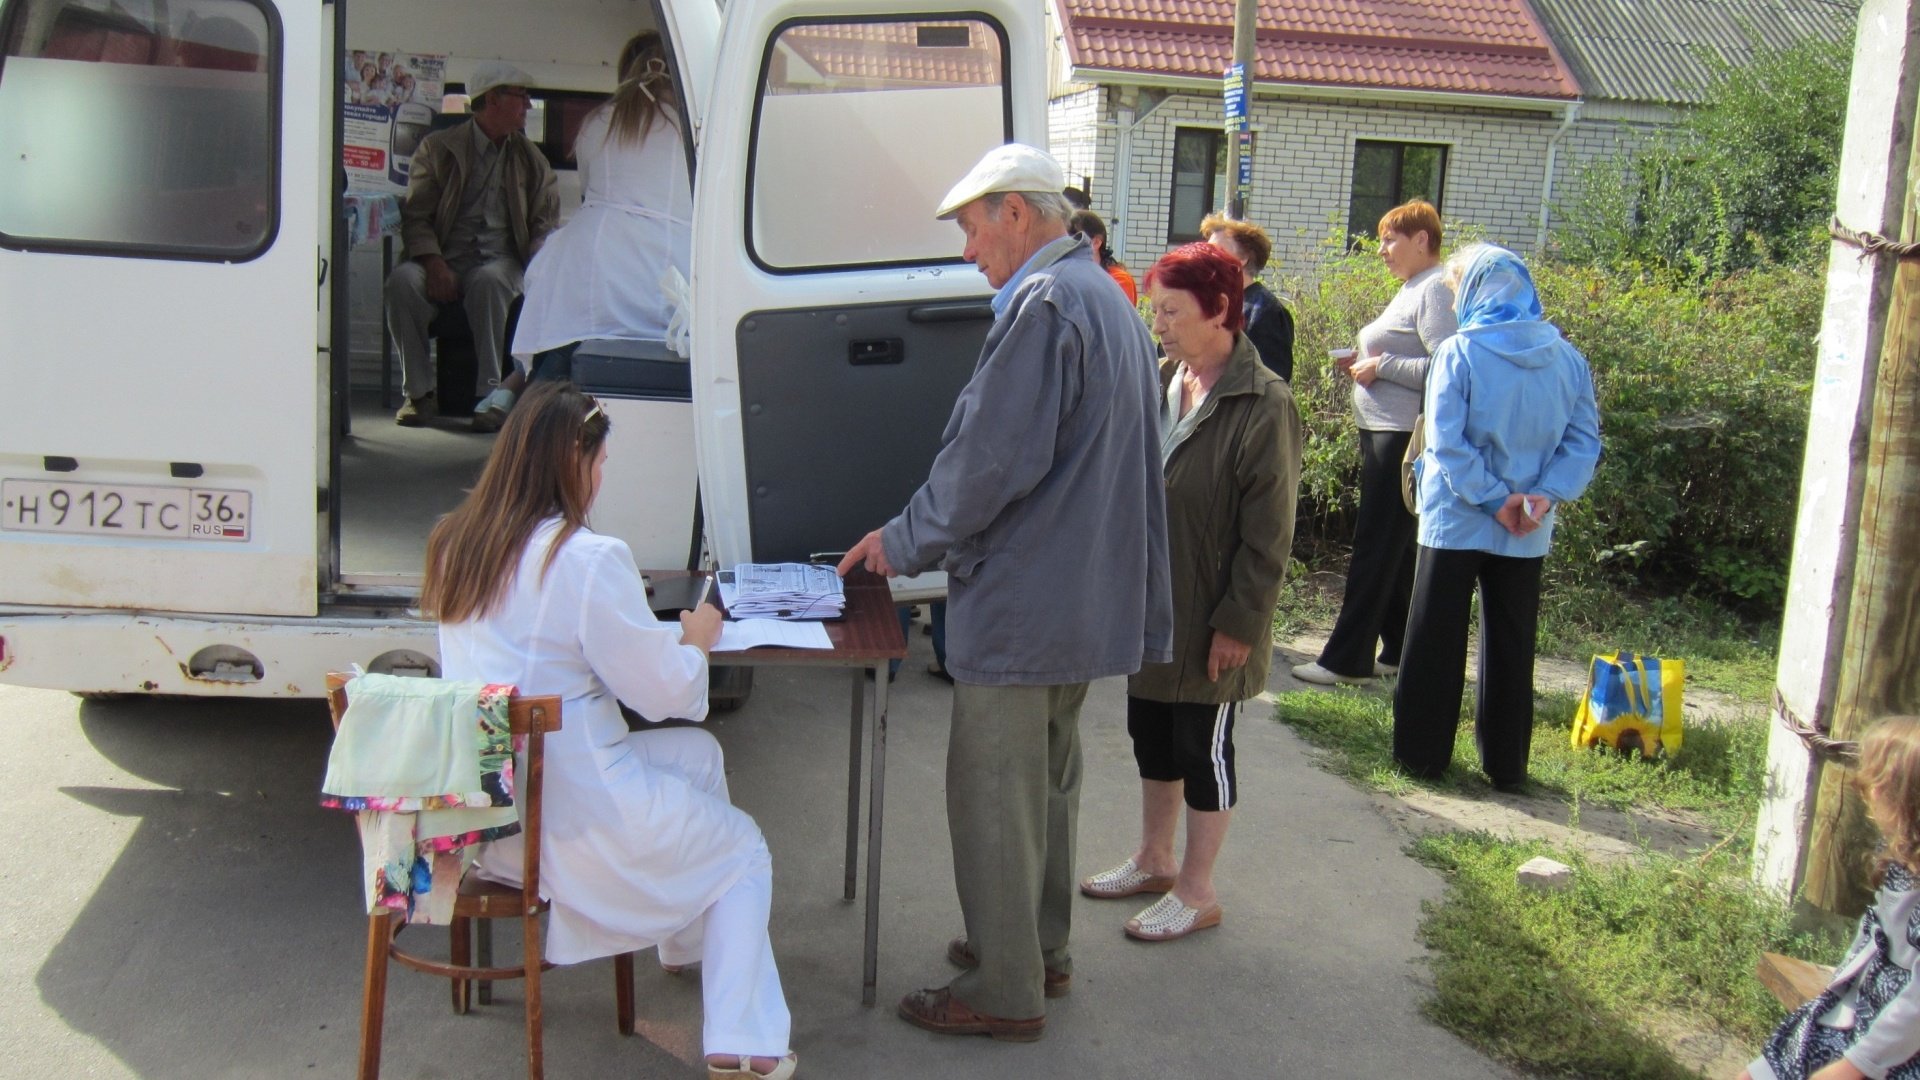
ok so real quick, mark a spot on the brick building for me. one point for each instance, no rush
(1486, 107)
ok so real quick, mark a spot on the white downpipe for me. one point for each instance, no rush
(1546, 185)
(1126, 121)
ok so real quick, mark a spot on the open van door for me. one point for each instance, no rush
(834, 321)
(159, 257)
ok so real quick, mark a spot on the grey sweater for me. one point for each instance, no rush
(1416, 321)
(1046, 505)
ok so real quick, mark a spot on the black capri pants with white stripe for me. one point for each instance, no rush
(1177, 741)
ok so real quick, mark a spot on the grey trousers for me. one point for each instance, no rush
(1013, 802)
(487, 291)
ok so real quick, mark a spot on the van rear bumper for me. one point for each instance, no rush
(206, 655)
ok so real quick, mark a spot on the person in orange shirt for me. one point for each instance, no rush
(1088, 224)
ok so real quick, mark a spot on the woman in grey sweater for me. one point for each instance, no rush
(1389, 378)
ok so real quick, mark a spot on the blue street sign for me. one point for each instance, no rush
(1234, 91)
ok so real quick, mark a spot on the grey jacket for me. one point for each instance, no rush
(1046, 505)
(438, 175)
(1416, 321)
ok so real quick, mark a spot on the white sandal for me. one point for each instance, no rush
(744, 1070)
(1169, 917)
(1124, 880)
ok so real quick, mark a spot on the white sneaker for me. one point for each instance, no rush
(492, 411)
(1318, 675)
(1385, 671)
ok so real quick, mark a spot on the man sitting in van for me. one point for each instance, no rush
(480, 201)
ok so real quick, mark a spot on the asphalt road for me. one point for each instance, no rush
(178, 906)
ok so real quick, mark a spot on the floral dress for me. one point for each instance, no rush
(1870, 1012)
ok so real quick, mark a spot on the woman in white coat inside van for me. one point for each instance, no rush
(604, 274)
(641, 846)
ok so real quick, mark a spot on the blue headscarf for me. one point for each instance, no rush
(1496, 289)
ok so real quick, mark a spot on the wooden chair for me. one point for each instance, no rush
(484, 900)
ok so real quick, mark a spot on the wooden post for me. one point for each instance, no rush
(1820, 592)
(1878, 666)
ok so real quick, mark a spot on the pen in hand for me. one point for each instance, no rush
(700, 627)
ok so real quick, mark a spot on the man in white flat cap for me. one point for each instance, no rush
(1047, 509)
(480, 201)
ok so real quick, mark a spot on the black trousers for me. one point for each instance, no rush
(1433, 669)
(1373, 610)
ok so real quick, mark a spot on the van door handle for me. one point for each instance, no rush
(876, 351)
(945, 313)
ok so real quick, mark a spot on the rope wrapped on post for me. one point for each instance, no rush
(1872, 243)
(1819, 743)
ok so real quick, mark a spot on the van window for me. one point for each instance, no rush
(139, 127)
(860, 129)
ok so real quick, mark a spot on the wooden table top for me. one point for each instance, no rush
(866, 632)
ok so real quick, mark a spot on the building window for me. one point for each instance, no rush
(1199, 181)
(1386, 174)
(843, 171)
(143, 130)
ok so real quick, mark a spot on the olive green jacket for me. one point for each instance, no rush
(1231, 487)
(437, 178)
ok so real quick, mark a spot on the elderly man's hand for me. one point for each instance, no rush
(871, 553)
(442, 286)
(1224, 655)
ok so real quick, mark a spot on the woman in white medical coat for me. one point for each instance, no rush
(641, 845)
(606, 273)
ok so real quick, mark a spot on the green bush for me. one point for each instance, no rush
(1703, 391)
(1738, 182)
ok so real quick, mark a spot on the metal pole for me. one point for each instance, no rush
(1239, 126)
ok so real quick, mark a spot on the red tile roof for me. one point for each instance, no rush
(1451, 46)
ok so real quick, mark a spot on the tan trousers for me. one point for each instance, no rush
(1013, 801)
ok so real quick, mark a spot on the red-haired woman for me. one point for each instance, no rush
(1231, 451)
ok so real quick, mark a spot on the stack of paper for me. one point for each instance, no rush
(781, 591)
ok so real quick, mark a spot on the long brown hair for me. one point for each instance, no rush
(541, 466)
(646, 91)
(1889, 777)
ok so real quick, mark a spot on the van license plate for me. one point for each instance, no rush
(181, 513)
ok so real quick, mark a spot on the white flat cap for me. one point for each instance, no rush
(1013, 167)
(489, 74)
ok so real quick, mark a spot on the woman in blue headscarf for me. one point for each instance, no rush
(1512, 431)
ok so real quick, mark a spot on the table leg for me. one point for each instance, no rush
(853, 777)
(877, 791)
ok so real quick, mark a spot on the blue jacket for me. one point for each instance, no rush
(1046, 505)
(1509, 408)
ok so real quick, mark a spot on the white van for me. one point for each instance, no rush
(200, 495)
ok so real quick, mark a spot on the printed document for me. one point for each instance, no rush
(736, 636)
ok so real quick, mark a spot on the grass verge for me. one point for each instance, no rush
(1572, 983)
(1585, 982)
(1724, 651)
(1716, 775)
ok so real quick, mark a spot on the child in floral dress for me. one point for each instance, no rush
(1866, 1023)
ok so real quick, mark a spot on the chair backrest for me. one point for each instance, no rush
(531, 717)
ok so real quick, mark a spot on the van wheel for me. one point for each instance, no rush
(728, 688)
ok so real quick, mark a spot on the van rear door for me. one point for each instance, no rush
(834, 321)
(158, 266)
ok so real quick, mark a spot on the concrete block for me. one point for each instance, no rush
(1542, 874)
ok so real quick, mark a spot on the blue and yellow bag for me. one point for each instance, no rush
(1632, 703)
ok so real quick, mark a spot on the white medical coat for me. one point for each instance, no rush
(599, 276)
(629, 854)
